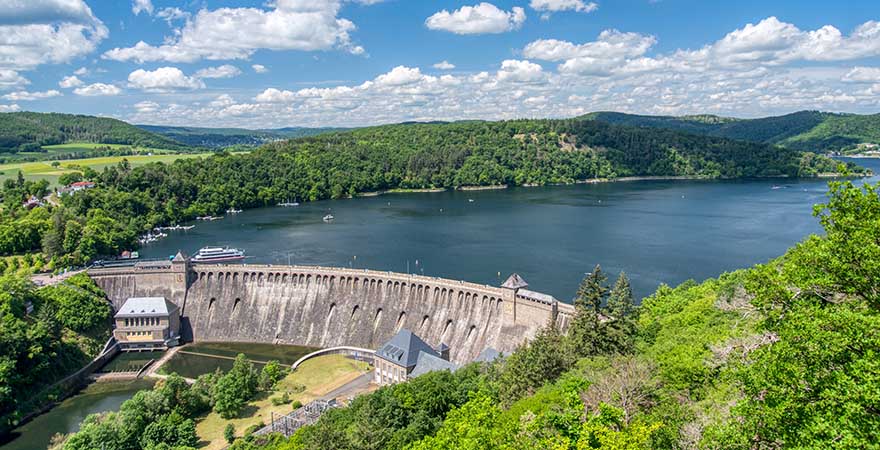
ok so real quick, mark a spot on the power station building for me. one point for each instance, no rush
(147, 323)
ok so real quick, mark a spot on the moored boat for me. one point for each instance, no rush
(218, 254)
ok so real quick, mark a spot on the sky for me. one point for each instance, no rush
(280, 63)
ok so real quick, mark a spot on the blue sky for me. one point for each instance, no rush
(360, 62)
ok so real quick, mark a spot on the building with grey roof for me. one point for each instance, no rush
(406, 355)
(147, 323)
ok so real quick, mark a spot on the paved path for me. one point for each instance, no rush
(353, 387)
(48, 279)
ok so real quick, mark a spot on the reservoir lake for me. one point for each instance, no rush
(656, 231)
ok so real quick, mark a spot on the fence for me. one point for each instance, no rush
(306, 415)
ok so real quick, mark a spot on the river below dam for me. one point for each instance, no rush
(656, 231)
(66, 416)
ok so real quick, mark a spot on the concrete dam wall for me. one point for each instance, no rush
(324, 307)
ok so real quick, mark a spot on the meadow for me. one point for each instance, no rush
(46, 170)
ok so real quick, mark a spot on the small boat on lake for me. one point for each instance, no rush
(233, 211)
(328, 218)
(218, 254)
(289, 203)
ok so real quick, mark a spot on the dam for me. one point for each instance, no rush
(326, 306)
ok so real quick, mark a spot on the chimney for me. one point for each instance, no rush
(444, 351)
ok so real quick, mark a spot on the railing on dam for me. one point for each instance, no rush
(359, 354)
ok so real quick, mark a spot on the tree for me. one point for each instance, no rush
(533, 364)
(584, 331)
(271, 373)
(619, 330)
(235, 388)
(229, 433)
(171, 429)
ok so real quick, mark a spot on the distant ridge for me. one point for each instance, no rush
(803, 130)
(28, 131)
(226, 137)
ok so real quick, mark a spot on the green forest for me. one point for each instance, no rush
(46, 334)
(130, 201)
(783, 355)
(805, 130)
(29, 131)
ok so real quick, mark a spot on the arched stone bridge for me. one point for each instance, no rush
(326, 307)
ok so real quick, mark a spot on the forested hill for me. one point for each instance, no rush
(28, 131)
(532, 152)
(804, 130)
(129, 201)
(226, 137)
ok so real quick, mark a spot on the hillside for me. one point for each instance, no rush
(129, 201)
(804, 130)
(226, 137)
(29, 131)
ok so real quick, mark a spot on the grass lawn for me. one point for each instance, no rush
(320, 376)
(44, 170)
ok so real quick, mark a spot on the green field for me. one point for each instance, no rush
(72, 149)
(44, 169)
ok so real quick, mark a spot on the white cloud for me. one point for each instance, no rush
(70, 82)
(163, 79)
(272, 95)
(139, 6)
(9, 108)
(400, 76)
(81, 71)
(444, 65)
(171, 14)
(259, 68)
(146, 106)
(563, 5)
(97, 89)
(23, 12)
(11, 79)
(733, 76)
(611, 44)
(863, 75)
(36, 32)
(224, 71)
(236, 33)
(520, 72)
(28, 96)
(478, 19)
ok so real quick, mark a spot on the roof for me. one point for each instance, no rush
(544, 298)
(403, 349)
(514, 281)
(488, 354)
(179, 257)
(82, 184)
(144, 306)
(428, 362)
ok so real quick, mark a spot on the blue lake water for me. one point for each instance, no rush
(655, 231)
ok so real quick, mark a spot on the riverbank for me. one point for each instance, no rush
(65, 416)
(398, 191)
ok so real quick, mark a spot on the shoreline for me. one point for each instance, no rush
(491, 187)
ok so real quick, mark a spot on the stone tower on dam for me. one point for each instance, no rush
(325, 307)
